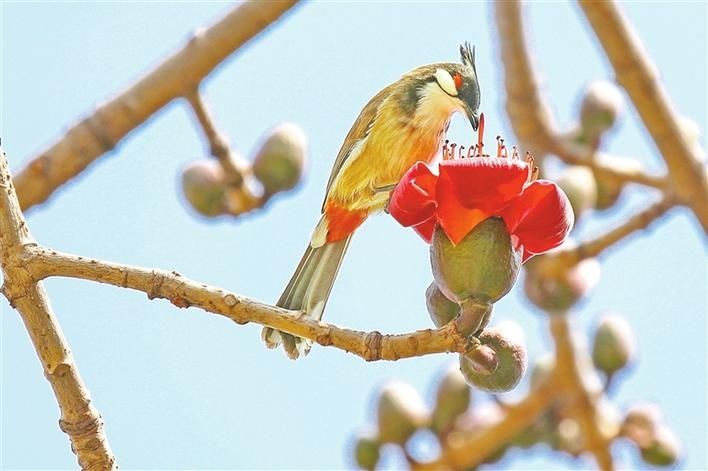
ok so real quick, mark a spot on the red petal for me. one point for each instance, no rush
(540, 218)
(426, 229)
(456, 220)
(486, 183)
(413, 200)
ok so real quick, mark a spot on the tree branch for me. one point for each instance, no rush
(471, 449)
(636, 73)
(103, 129)
(531, 116)
(599, 244)
(79, 418)
(581, 403)
(218, 143)
(182, 292)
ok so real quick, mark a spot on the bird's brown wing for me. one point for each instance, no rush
(359, 131)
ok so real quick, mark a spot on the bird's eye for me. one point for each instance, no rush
(446, 82)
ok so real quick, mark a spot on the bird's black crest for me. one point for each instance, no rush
(467, 55)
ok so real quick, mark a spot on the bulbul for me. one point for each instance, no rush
(404, 123)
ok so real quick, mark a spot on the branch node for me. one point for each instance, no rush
(372, 346)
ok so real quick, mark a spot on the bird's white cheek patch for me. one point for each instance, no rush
(446, 82)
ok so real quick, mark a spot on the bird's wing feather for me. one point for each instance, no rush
(359, 131)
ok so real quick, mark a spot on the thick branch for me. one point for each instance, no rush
(581, 404)
(182, 292)
(112, 121)
(79, 418)
(636, 73)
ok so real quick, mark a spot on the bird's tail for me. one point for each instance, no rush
(308, 291)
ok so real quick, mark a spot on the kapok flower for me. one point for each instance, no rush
(464, 191)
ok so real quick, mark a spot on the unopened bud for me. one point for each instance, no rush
(482, 267)
(556, 289)
(641, 422)
(451, 401)
(614, 345)
(367, 450)
(541, 370)
(601, 105)
(609, 188)
(510, 355)
(579, 185)
(204, 186)
(664, 450)
(441, 309)
(280, 161)
(401, 412)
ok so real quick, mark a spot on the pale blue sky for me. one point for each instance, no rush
(185, 389)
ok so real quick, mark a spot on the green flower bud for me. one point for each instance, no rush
(609, 188)
(482, 267)
(506, 343)
(601, 105)
(541, 370)
(556, 290)
(614, 345)
(279, 163)
(640, 424)
(579, 185)
(664, 450)
(400, 413)
(204, 186)
(568, 437)
(441, 309)
(367, 450)
(451, 401)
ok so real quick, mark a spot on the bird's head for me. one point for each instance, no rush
(449, 86)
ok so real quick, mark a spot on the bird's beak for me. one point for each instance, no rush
(472, 116)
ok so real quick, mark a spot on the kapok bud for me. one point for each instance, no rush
(579, 185)
(541, 370)
(641, 422)
(608, 187)
(614, 345)
(451, 401)
(664, 450)
(280, 161)
(511, 360)
(441, 309)
(556, 290)
(482, 267)
(400, 413)
(204, 186)
(367, 450)
(601, 105)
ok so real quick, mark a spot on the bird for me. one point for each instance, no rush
(404, 123)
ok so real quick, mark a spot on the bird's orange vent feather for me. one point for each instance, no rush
(342, 221)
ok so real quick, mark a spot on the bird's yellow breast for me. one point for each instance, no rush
(394, 143)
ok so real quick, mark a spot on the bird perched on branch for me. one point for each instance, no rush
(404, 123)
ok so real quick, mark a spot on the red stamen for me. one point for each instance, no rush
(480, 135)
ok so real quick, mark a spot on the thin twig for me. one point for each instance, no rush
(182, 292)
(468, 450)
(581, 403)
(579, 155)
(599, 244)
(79, 418)
(638, 75)
(218, 143)
(104, 128)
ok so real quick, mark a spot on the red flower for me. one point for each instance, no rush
(469, 190)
